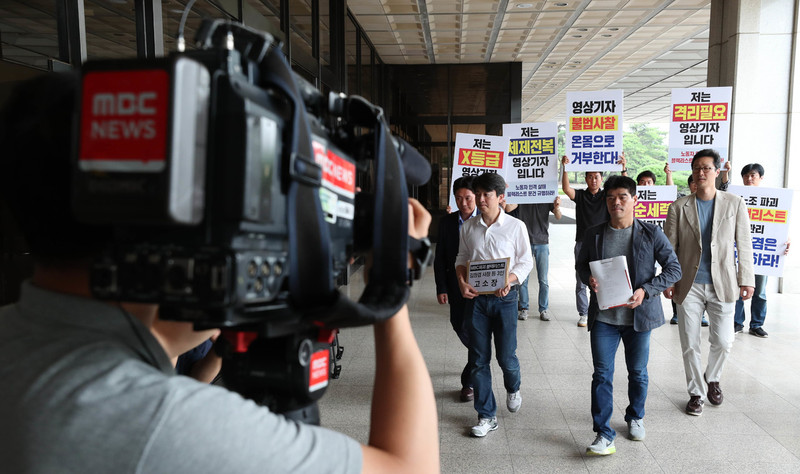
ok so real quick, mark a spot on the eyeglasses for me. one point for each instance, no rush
(704, 169)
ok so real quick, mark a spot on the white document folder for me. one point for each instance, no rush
(613, 282)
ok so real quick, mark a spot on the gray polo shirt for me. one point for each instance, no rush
(87, 388)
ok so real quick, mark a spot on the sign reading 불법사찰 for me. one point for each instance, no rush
(488, 276)
(594, 130)
(531, 167)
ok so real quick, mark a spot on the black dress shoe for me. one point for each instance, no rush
(759, 332)
(714, 392)
(695, 406)
(467, 394)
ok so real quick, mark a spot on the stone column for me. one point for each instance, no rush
(753, 46)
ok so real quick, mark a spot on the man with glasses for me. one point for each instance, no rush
(702, 228)
(643, 245)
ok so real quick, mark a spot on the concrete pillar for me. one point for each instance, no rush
(753, 46)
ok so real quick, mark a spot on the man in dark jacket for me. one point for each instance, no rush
(444, 267)
(643, 245)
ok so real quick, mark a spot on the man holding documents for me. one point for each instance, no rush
(636, 289)
(702, 228)
(492, 236)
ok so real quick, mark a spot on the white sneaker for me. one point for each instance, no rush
(523, 315)
(636, 429)
(513, 401)
(582, 319)
(544, 316)
(601, 447)
(484, 426)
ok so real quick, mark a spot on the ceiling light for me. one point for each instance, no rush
(561, 4)
(576, 62)
(524, 5)
(614, 29)
(583, 29)
(606, 36)
(577, 36)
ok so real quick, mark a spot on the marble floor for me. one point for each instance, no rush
(756, 429)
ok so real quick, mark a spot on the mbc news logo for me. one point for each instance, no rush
(124, 116)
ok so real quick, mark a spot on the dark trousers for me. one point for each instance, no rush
(460, 325)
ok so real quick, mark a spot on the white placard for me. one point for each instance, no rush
(477, 154)
(594, 130)
(700, 120)
(653, 203)
(488, 276)
(769, 210)
(613, 282)
(531, 167)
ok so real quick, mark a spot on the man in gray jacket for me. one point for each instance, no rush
(643, 245)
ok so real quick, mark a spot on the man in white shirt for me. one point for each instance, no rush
(493, 236)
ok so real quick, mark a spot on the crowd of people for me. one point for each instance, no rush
(690, 262)
(91, 385)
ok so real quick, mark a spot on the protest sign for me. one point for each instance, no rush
(531, 166)
(594, 130)
(700, 120)
(769, 210)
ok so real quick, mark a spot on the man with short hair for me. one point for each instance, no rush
(494, 235)
(751, 176)
(536, 219)
(590, 210)
(643, 245)
(702, 228)
(646, 178)
(444, 267)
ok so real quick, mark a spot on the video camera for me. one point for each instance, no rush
(231, 186)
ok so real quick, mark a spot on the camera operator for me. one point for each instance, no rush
(88, 388)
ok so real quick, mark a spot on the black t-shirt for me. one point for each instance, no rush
(536, 218)
(590, 210)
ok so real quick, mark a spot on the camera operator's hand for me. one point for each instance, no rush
(177, 337)
(419, 219)
(403, 393)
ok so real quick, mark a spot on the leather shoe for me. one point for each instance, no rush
(695, 406)
(467, 394)
(714, 392)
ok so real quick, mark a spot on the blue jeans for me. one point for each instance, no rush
(605, 341)
(758, 306)
(493, 316)
(541, 253)
(581, 297)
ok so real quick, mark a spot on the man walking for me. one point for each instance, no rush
(536, 219)
(590, 210)
(643, 245)
(702, 228)
(494, 235)
(444, 268)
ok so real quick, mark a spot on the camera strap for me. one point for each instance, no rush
(310, 281)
